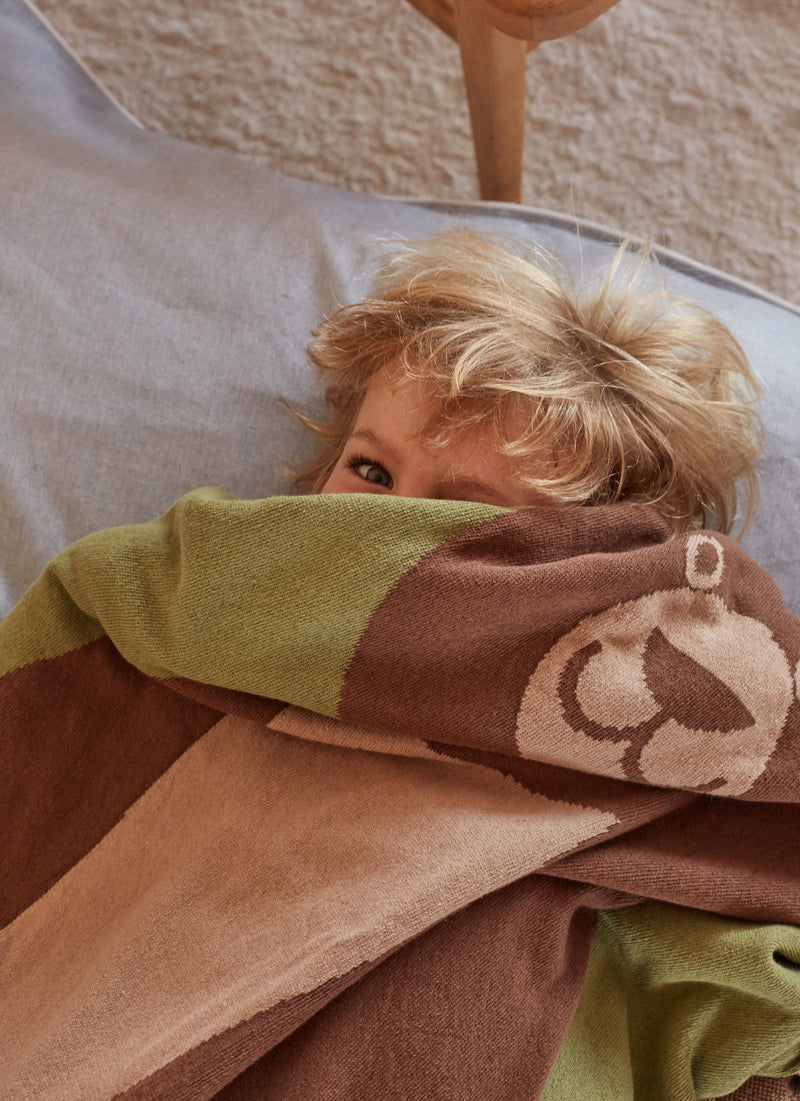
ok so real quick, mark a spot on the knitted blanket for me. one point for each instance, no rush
(322, 797)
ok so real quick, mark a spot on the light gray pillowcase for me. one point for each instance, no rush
(157, 298)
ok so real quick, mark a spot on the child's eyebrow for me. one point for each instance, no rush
(372, 437)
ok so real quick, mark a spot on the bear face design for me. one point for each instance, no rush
(672, 689)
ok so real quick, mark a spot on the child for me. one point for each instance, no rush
(476, 373)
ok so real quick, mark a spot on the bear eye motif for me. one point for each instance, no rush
(672, 688)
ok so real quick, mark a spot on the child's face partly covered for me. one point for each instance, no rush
(387, 454)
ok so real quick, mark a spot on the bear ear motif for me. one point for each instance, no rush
(672, 688)
(705, 562)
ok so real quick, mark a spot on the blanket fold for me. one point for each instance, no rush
(274, 769)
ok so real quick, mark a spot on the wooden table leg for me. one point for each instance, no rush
(494, 73)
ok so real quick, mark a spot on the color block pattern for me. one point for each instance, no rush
(321, 798)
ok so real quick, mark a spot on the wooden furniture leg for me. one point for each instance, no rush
(494, 37)
(494, 73)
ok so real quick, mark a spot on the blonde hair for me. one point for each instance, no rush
(639, 395)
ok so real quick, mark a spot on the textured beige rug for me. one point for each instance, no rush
(677, 118)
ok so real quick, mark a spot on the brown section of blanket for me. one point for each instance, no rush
(441, 618)
(79, 770)
(498, 980)
(203, 925)
(768, 1089)
(669, 663)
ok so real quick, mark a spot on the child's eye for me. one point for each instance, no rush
(371, 472)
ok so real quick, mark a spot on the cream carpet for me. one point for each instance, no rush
(675, 118)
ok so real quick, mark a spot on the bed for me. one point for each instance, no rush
(157, 300)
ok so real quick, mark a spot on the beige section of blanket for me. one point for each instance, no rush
(676, 119)
(257, 868)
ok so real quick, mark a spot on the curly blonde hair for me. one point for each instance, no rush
(639, 395)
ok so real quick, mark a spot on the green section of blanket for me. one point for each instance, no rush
(45, 624)
(246, 594)
(679, 1004)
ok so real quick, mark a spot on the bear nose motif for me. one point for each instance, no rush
(689, 693)
(662, 683)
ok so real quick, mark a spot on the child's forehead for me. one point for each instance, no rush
(414, 407)
(399, 403)
(410, 401)
(436, 401)
(401, 418)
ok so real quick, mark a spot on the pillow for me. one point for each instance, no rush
(157, 298)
